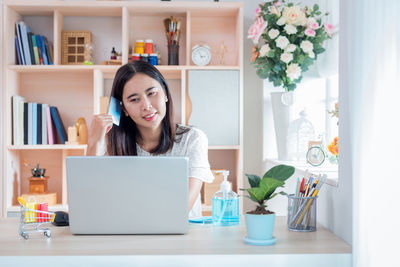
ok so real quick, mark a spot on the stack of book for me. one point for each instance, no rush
(36, 124)
(31, 49)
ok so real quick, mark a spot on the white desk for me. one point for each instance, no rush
(204, 245)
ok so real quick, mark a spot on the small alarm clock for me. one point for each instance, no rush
(201, 55)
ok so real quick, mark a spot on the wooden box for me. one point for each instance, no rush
(73, 46)
(38, 185)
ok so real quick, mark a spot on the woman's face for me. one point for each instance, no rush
(144, 100)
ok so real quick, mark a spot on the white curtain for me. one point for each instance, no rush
(370, 98)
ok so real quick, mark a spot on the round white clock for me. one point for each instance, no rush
(201, 55)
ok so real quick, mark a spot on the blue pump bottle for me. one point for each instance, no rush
(225, 204)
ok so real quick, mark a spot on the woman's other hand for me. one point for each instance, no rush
(100, 126)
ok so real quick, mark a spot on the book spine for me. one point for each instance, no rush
(39, 124)
(15, 119)
(21, 121)
(44, 124)
(19, 60)
(50, 128)
(21, 48)
(40, 52)
(51, 52)
(45, 62)
(55, 115)
(35, 50)
(46, 44)
(31, 47)
(34, 123)
(25, 43)
(26, 126)
(30, 111)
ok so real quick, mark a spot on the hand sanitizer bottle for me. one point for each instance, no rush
(225, 204)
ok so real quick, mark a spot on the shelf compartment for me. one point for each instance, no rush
(216, 32)
(150, 25)
(106, 32)
(70, 92)
(51, 160)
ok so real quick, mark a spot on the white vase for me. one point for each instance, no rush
(282, 109)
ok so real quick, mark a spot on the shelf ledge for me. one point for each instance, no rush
(109, 68)
(47, 147)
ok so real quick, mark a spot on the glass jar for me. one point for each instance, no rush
(139, 48)
(148, 46)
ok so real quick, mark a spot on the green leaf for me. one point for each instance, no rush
(254, 180)
(316, 7)
(277, 68)
(256, 194)
(271, 53)
(277, 82)
(309, 61)
(280, 172)
(269, 186)
(301, 59)
(262, 73)
(319, 50)
(264, 191)
(291, 87)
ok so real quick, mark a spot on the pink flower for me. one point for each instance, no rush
(258, 9)
(277, 3)
(329, 29)
(257, 29)
(310, 32)
(312, 23)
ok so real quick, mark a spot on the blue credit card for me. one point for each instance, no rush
(114, 110)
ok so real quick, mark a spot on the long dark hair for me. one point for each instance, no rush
(122, 139)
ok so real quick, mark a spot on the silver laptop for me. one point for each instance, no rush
(128, 195)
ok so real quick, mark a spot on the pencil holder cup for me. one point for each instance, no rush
(173, 54)
(302, 213)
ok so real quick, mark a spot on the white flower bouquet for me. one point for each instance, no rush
(291, 38)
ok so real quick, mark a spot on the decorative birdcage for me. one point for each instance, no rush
(300, 132)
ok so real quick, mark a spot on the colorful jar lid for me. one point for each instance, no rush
(139, 41)
(149, 41)
(144, 55)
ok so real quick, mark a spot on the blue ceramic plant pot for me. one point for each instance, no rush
(260, 226)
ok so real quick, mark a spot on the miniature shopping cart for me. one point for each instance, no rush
(33, 220)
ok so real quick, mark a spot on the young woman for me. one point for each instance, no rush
(146, 127)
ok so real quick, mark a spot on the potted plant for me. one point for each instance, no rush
(260, 222)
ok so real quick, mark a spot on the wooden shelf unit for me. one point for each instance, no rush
(76, 89)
